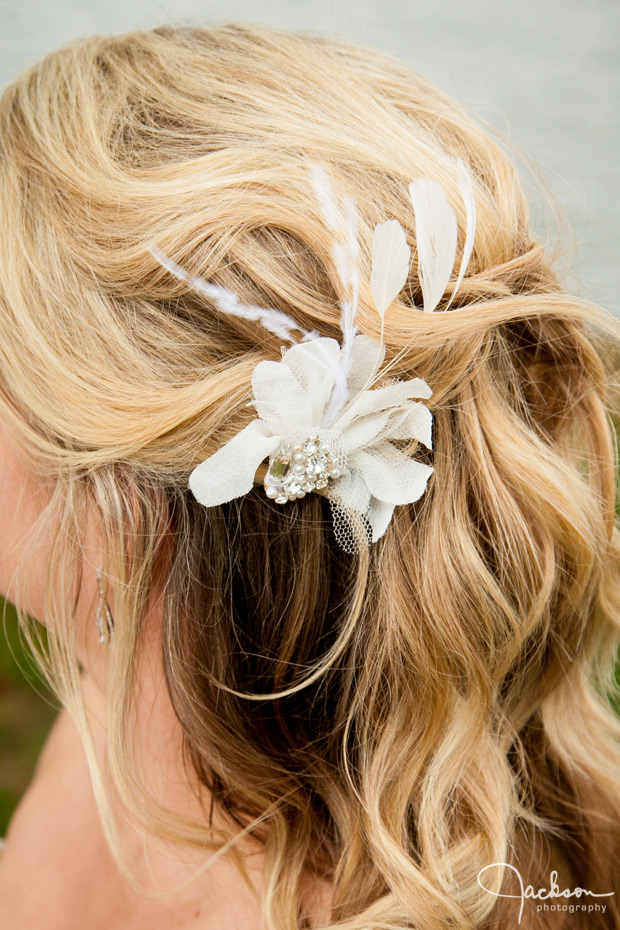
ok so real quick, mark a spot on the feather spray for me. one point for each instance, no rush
(226, 300)
(467, 193)
(343, 221)
(435, 229)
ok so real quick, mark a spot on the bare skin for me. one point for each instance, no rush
(56, 861)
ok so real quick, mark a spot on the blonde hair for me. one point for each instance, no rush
(462, 716)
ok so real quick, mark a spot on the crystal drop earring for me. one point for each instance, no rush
(104, 615)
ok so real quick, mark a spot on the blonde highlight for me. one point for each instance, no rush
(391, 722)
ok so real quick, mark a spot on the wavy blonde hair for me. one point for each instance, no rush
(462, 714)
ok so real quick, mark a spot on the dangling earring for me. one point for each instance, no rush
(104, 614)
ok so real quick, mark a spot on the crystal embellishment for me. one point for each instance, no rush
(297, 468)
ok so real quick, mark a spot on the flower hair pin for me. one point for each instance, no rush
(319, 422)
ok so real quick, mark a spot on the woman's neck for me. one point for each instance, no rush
(55, 835)
(160, 865)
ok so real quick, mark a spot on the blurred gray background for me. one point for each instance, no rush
(544, 72)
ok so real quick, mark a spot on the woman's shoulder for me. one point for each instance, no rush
(44, 846)
(56, 862)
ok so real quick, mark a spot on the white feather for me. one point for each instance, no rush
(349, 309)
(343, 221)
(342, 261)
(390, 264)
(325, 195)
(226, 300)
(467, 193)
(436, 236)
(349, 256)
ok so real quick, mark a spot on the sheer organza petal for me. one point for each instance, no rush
(230, 471)
(351, 490)
(390, 475)
(414, 423)
(383, 398)
(367, 356)
(379, 515)
(364, 430)
(313, 363)
(281, 401)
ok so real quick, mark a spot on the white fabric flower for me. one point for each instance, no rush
(291, 398)
(319, 422)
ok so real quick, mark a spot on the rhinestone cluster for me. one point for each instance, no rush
(300, 467)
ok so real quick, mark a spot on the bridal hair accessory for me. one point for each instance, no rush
(319, 422)
(104, 615)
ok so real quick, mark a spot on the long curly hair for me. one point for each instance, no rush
(450, 690)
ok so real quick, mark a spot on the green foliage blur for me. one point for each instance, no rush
(27, 711)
